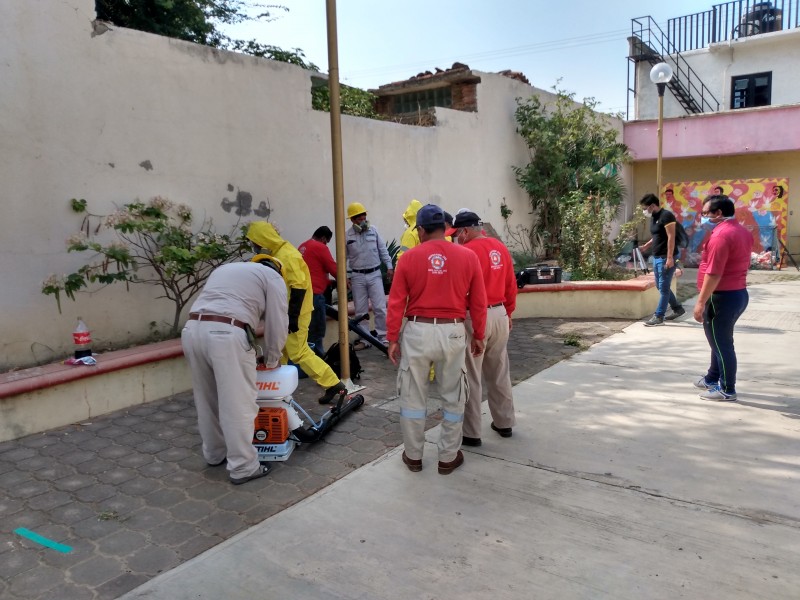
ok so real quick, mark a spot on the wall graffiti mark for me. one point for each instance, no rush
(242, 206)
(146, 165)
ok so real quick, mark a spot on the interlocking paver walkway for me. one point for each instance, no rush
(130, 493)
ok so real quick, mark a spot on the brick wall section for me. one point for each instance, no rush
(383, 105)
(465, 97)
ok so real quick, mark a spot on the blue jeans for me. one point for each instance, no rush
(663, 285)
(720, 314)
(317, 326)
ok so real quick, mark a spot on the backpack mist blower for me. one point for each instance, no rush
(278, 426)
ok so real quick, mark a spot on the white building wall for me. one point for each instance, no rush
(120, 115)
(777, 52)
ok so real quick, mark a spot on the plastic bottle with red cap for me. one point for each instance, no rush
(82, 340)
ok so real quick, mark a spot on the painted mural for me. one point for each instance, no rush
(761, 206)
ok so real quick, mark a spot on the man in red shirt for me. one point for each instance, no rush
(722, 281)
(320, 264)
(432, 287)
(501, 298)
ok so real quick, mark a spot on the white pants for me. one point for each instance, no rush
(224, 383)
(369, 289)
(422, 344)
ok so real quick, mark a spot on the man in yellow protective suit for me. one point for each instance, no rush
(266, 239)
(410, 237)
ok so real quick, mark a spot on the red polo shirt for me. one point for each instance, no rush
(437, 279)
(498, 271)
(320, 264)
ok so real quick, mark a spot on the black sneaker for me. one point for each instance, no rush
(676, 312)
(262, 471)
(654, 320)
(470, 441)
(332, 392)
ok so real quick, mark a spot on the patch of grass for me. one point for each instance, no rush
(572, 339)
(109, 515)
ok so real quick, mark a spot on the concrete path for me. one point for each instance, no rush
(619, 482)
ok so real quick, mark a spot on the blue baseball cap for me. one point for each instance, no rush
(430, 214)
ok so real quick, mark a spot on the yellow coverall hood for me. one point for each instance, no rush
(410, 214)
(265, 235)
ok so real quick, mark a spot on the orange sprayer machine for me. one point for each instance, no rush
(278, 428)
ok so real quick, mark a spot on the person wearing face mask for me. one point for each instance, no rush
(410, 237)
(662, 230)
(366, 251)
(266, 240)
(722, 281)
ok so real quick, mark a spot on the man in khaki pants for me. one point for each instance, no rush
(501, 297)
(432, 284)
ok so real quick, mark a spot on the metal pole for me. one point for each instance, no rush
(338, 186)
(661, 87)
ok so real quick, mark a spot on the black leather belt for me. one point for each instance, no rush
(366, 271)
(495, 305)
(217, 319)
(435, 320)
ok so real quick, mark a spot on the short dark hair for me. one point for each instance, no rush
(721, 190)
(649, 199)
(722, 203)
(323, 231)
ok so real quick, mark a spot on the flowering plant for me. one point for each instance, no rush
(151, 243)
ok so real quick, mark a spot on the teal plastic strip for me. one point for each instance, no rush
(39, 539)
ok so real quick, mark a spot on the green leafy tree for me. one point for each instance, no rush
(353, 101)
(586, 249)
(191, 20)
(151, 243)
(572, 149)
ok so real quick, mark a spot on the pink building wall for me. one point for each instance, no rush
(757, 130)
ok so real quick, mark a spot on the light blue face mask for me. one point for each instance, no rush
(707, 223)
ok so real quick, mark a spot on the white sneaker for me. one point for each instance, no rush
(717, 395)
(703, 384)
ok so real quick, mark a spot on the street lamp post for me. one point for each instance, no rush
(661, 74)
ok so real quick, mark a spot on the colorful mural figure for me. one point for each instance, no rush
(761, 206)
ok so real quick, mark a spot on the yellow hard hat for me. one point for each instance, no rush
(269, 261)
(355, 208)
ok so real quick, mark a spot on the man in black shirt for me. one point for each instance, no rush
(662, 230)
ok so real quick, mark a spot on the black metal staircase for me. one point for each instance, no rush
(650, 44)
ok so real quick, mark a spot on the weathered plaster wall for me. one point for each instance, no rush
(112, 116)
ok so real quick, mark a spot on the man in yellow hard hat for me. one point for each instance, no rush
(265, 238)
(366, 251)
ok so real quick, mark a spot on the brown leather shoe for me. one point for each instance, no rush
(414, 465)
(445, 468)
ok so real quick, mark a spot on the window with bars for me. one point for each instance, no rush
(415, 101)
(748, 91)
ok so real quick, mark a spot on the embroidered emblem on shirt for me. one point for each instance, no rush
(437, 262)
(496, 259)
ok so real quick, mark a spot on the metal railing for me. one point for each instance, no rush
(731, 21)
(650, 43)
